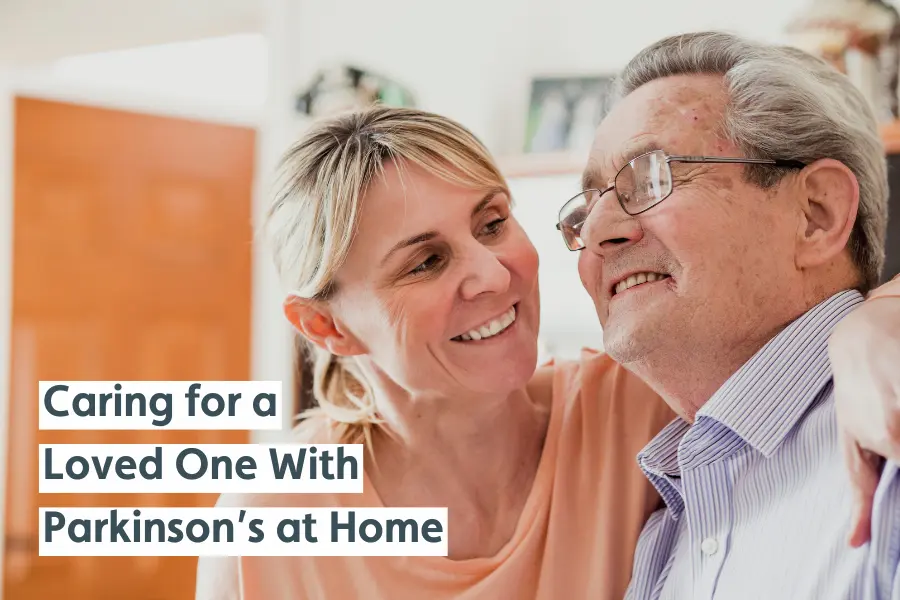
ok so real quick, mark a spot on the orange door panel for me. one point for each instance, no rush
(131, 261)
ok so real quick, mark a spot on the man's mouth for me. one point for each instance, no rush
(489, 329)
(637, 279)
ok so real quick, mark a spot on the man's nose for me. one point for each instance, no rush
(608, 227)
(485, 274)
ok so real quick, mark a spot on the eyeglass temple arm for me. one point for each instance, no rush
(777, 162)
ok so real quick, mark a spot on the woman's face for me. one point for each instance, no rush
(440, 288)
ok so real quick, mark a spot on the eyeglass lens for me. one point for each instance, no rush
(641, 184)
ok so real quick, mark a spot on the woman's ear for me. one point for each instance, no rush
(314, 321)
(829, 201)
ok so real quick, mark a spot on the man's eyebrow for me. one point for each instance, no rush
(593, 173)
(430, 235)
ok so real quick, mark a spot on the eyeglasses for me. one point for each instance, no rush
(640, 185)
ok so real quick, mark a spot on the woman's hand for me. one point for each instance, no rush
(864, 349)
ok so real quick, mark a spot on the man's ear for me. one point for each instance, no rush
(829, 201)
(314, 321)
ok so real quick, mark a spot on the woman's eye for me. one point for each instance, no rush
(494, 227)
(429, 264)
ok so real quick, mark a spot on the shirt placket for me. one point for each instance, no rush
(707, 492)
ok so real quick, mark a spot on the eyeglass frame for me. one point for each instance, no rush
(670, 158)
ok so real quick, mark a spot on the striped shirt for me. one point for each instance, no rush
(758, 502)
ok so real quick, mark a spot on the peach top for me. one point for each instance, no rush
(575, 538)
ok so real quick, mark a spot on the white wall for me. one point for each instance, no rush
(455, 56)
(271, 336)
(473, 59)
(221, 79)
(34, 31)
(568, 319)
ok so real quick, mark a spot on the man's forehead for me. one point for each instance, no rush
(679, 114)
(663, 106)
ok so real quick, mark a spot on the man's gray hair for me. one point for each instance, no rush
(786, 104)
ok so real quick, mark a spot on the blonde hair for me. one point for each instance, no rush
(311, 224)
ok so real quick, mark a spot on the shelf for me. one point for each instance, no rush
(542, 165)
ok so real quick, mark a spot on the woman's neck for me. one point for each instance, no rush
(476, 455)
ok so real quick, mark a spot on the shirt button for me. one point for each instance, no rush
(709, 546)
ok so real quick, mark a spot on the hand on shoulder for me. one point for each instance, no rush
(864, 350)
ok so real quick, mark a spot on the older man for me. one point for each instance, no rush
(735, 212)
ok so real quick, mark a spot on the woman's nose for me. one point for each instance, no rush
(486, 274)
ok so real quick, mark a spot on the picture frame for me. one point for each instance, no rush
(564, 112)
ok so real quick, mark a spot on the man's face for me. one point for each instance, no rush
(720, 250)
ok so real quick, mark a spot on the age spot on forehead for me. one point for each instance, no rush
(695, 98)
(693, 114)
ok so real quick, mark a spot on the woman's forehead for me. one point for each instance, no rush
(410, 203)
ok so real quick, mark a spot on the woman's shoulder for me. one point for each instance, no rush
(560, 375)
(315, 430)
(595, 384)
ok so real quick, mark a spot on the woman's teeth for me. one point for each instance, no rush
(490, 329)
(637, 279)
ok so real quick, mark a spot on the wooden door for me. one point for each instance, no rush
(131, 261)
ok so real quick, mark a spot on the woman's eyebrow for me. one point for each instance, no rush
(482, 204)
(430, 235)
(412, 241)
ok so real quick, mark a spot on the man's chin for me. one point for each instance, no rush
(624, 345)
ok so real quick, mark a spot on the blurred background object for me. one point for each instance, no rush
(565, 111)
(137, 142)
(341, 88)
(861, 38)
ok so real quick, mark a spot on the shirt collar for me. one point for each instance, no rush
(760, 403)
(768, 396)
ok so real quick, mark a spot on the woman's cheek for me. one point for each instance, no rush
(522, 254)
(418, 313)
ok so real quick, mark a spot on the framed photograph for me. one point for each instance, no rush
(564, 112)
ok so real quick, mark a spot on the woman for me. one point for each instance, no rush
(418, 292)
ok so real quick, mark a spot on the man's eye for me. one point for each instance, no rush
(429, 264)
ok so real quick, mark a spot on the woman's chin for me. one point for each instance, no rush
(506, 374)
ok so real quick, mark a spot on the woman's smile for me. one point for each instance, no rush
(491, 328)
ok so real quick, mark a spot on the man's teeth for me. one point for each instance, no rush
(637, 279)
(492, 328)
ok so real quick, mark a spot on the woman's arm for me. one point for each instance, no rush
(865, 357)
